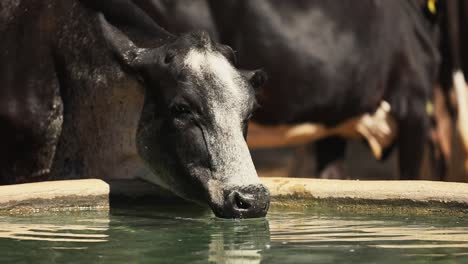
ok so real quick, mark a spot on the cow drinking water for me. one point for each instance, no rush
(97, 89)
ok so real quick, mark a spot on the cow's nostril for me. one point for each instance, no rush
(241, 202)
(244, 202)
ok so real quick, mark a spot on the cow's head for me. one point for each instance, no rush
(193, 125)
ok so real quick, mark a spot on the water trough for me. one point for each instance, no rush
(387, 196)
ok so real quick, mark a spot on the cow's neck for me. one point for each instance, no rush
(102, 105)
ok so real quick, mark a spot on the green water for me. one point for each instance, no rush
(188, 235)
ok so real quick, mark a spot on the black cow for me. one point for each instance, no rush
(329, 61)
(180, 16)
(86, 85)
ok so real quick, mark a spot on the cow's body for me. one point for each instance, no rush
(331, 61)
(86, 94)
(62, 69)
(180, 16)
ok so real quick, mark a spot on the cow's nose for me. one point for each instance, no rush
(245, 202)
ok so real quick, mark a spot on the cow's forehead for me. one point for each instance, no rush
(217, 75)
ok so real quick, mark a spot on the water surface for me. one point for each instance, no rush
(185, 234)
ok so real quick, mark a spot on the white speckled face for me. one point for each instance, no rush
(227, 101)
(191, 129)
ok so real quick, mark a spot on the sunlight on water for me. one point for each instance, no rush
(54, 229)
(45, 232)
(183, 235)
(335, 230)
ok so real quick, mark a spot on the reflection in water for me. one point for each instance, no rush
(47, 232)
(387, 239)
(381, 234)
(64, 228)
(182, 236)
(239, 242)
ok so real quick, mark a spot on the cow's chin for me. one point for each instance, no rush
(226, 200)
(172, 182)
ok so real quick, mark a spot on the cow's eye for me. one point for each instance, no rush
(180, 110)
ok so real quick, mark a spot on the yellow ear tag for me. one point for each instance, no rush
(429, 108)
(431, 6)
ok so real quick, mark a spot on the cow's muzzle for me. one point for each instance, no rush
(244, 202)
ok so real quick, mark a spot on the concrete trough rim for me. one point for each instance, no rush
(418, 191)
(66, 195)
(406, 197)
(369, 197)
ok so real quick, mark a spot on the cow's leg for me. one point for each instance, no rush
(412, 139)
(461, 90)
(330, 153)
(304, 163)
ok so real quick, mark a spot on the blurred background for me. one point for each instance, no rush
(329, 62)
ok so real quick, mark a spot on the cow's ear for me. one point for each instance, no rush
(229, 53)
(121, 45)
(257, 78)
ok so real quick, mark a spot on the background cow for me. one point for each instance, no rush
(332, 61)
